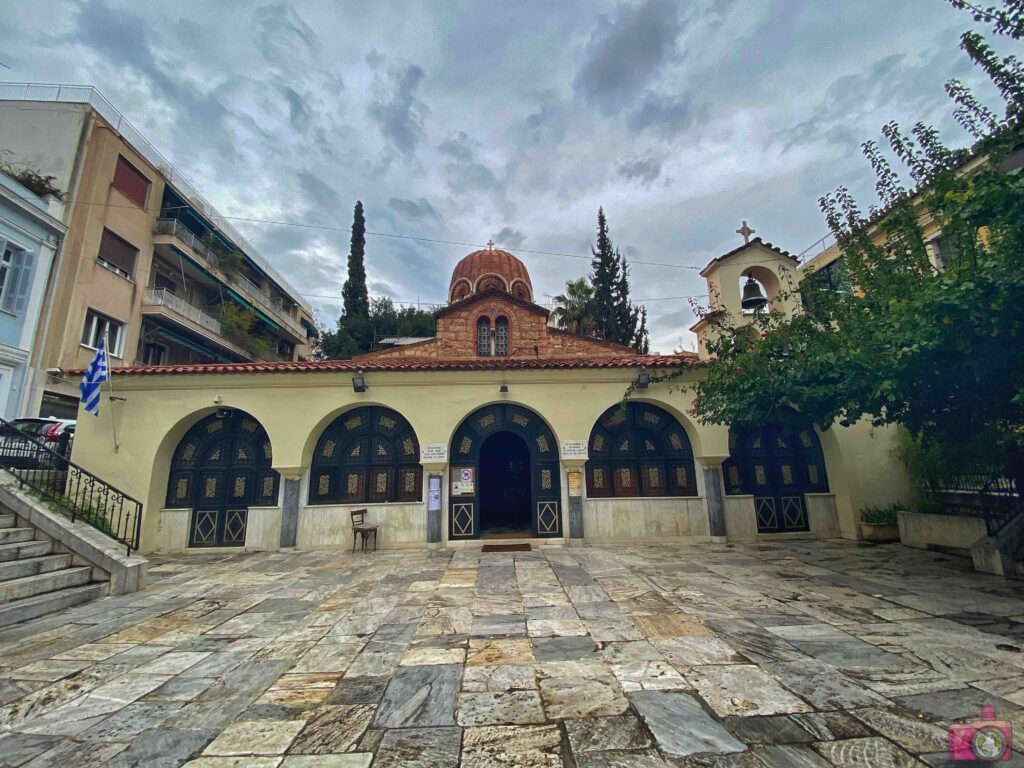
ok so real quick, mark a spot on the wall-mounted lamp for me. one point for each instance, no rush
(223, 413)
(503, 389)
(643, 381)
(358, 384)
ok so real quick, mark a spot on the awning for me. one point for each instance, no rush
(244, 302)
(187, 342)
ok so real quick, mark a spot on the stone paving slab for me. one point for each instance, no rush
(788, 653)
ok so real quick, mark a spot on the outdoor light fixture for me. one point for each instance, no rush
(753, 297)
(503, 389)
(643, 381)
(223, 413)
(358, 384)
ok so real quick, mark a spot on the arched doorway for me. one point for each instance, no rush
(777, 467)
(505, 485)
(221, 467)
(504, 460)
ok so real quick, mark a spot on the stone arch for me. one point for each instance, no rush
(490, 280)
(460, 290)
(769, 280)
(639, 449)
(220, 467)
(369, 454)
(521, 290)
(468, 437)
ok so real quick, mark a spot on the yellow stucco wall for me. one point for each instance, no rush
(295, 408)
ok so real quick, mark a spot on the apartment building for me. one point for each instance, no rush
(147, 262)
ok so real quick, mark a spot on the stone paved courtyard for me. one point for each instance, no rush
(782, 654)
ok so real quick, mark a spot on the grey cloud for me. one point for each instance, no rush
(285, 38)
(625, 52)
(645, 170)
(415, 210)
(509, 237)
(298, 112)
(321, 194)
(664, 113)
(397, 112)
(464, 172)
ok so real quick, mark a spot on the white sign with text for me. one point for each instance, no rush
(574, 449)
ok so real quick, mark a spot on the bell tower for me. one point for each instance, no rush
(754, 277)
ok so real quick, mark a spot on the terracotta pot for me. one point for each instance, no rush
(880, 531)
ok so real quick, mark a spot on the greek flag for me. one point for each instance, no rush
(97, 372)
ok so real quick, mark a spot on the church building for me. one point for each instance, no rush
(502, 426)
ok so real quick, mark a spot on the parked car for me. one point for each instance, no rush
(56, 434)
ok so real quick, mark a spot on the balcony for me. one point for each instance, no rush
(180, 232)
(161, 297)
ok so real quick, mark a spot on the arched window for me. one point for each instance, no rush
(367, 455)
(777, 467)
(221, 467)
(483, 337)
(640, 450)
(501, 336)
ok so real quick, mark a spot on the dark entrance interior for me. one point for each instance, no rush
(505, 485)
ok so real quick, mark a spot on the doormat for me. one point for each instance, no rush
(506, 548)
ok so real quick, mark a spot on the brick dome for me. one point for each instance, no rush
(487, 269)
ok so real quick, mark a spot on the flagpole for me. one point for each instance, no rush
(110, 388)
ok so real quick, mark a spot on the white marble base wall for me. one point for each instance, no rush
(172, 530)
(263, 529)
(330, 527)
(823, 515)
(740, 520)
(638, 519)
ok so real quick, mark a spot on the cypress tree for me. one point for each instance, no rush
(604, 280)
(625, 316)
(353, 293)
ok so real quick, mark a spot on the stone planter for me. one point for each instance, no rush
(880, 532)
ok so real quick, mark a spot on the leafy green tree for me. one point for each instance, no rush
(573, 310)
(353, 293)
(939, 350)
(357, 335)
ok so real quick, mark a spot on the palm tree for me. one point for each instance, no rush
(573, 310)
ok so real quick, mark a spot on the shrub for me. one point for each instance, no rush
(881, 515)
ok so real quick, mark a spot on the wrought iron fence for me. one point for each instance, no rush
(991, 495)
(73, 490)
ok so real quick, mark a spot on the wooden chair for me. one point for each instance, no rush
(363, 529)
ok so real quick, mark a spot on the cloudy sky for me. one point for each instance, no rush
(463, 121)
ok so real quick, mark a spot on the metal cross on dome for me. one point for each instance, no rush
(746, 232)
(490, 245)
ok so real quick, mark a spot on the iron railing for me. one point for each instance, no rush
(161, 297)
(276, 308)
(75, 491)
(990, 495)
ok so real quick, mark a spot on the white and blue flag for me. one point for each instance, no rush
(97, 372)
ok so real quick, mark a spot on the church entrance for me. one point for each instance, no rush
(504, 486)
(504, 476)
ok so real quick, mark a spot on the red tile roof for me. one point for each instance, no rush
(413, 364)
(486, 262)
(734, 251)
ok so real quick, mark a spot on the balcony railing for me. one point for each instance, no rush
(86, 94)
(74, 491)
(185, 235)
(163, 298)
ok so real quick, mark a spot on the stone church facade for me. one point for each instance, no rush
(501, 426)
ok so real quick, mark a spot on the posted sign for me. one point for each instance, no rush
(462, 481)
(574, 449)
(434, 452)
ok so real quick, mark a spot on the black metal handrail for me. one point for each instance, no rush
(74, 490)
(990, 495)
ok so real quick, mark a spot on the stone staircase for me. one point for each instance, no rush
(37, 577)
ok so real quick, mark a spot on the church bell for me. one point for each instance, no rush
(753, 297)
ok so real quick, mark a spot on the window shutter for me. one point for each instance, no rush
(119, 252)
(20, 279)
(130, 182)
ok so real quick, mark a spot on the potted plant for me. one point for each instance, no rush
(879, 523)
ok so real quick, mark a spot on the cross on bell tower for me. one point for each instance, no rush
(746, 232)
